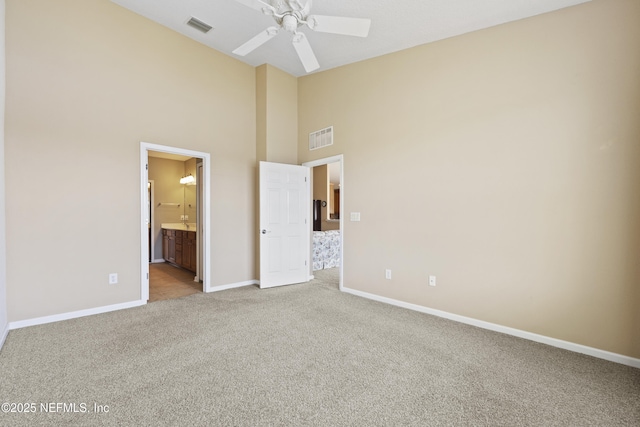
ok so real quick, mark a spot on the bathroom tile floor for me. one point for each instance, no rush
(168, 282)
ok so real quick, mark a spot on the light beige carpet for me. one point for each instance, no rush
(301, 355)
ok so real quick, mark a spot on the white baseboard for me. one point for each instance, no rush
(232, 286)
(98, 310)
(3, 335)
(74, 314)
(158, 261)
(566, 345)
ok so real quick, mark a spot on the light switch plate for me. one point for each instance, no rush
(355, 216)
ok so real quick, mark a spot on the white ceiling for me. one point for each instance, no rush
(395, 25)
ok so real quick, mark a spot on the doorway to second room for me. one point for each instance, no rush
(327, 240)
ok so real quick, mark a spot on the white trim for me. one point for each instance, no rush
(566, 345)
(144, 257)
(199, 214)
(326, 161)
(3, 337)
(152, 199)
(74, 314)
(158, 261)
(145, 147)
(105, 309)
(233, 285)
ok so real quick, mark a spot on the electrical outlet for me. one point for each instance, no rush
(113, 278)
(432, 280)
(387, 274)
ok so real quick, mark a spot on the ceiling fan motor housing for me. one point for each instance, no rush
(290, 22)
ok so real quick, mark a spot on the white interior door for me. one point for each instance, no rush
(284, 224)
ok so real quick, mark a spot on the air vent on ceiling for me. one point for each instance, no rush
(321, 138)
(199, 25)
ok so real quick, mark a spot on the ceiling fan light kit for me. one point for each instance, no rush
(291, 15)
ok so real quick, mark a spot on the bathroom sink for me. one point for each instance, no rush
(190, 226)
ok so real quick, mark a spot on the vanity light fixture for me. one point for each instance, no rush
(189, 180)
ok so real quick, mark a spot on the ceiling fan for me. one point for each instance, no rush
(291, 15)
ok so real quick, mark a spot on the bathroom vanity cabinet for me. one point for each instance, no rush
(179, 248)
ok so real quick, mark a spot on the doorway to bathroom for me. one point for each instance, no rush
(175, 203)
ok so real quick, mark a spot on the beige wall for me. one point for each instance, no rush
(86, 83)
(261, 112)
(509, 161)
(277, 115)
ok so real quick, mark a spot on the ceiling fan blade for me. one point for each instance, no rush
(340, 25)
(308, 58)
(257, 5)
(257, 41)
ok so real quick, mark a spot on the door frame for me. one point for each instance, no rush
(145, 147)
(321, 162)
(199, 222)
(151, 219)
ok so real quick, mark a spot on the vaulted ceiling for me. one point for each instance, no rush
(395, 25)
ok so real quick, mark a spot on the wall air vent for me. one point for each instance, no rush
(321, 138)
(199, 25)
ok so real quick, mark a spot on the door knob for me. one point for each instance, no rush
(264, 231)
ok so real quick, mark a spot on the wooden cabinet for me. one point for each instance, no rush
(189, 260)
(169, 245)
(165, 244)
(191, 250)
(178, 252)
(179, 248)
